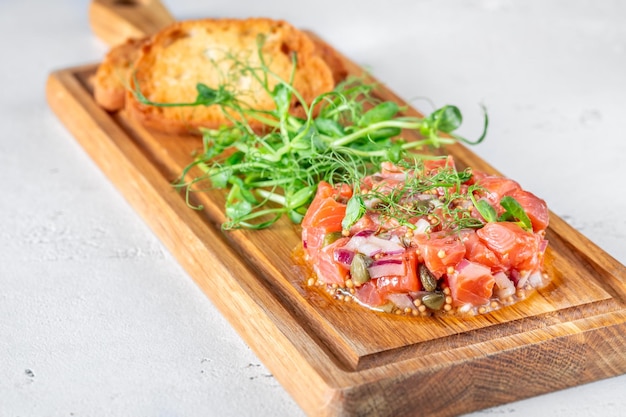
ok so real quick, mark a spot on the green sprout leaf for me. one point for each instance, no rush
(282, 98)
(355, 209)
(486, 210)
(206, 95)
(236, 205)
(301, 197)
(341, 136)
(220, 177)
(329, 127)
(515, 211)
(384, 133)
(381, 112)
(446, 119)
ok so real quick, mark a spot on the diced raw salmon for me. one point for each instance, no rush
(535, 208)
(440, 252)
(514, 247)
(496, 188)
(432, 166)
(325, 211)
(326, 268)
(369, 295)
(472, 283)
(414, 219)
(477, 251)
(409, 282)
(324, 216)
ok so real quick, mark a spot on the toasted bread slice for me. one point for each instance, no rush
(179, 57)
(112, 76)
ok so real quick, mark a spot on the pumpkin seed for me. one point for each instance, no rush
(358, 269)
(434, 300)
(429, 282)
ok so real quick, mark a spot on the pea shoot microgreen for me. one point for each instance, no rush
(513, 211)
(355, 209)
(345, 134)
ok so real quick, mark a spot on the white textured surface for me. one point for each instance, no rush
(96, 317)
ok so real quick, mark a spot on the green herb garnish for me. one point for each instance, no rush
(513, 211)
(485, 209)
(440, 196)
(345, 135)
(355, 209)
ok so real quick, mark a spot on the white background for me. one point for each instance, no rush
(97, 318)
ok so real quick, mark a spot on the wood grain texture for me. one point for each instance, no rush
(337, 359)
(114, 21)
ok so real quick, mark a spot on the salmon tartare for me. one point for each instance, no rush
(425, 238)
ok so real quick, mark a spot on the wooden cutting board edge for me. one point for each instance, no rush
(570, 353)
(159, 205)
(302, 366)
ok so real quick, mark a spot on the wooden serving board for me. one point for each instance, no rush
(337, 359)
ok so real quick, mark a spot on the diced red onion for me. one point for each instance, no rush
(372, 202)
(369, 249)
(355, 242)
(518, 278)
(343, 256)
(391, 246)
(371, 245)
(392, 173)
(386, 267)
(387, 261)
(364, 233)
(536, 279)
(396, 239)
(421, 226)
(505, 287)
(401, 300)
(464, 263)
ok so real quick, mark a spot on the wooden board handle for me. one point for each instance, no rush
(114, 21)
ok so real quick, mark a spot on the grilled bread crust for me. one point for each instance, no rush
(112, 76)
(167, 67)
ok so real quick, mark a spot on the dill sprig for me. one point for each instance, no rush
(441, 196)
(344, 135)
